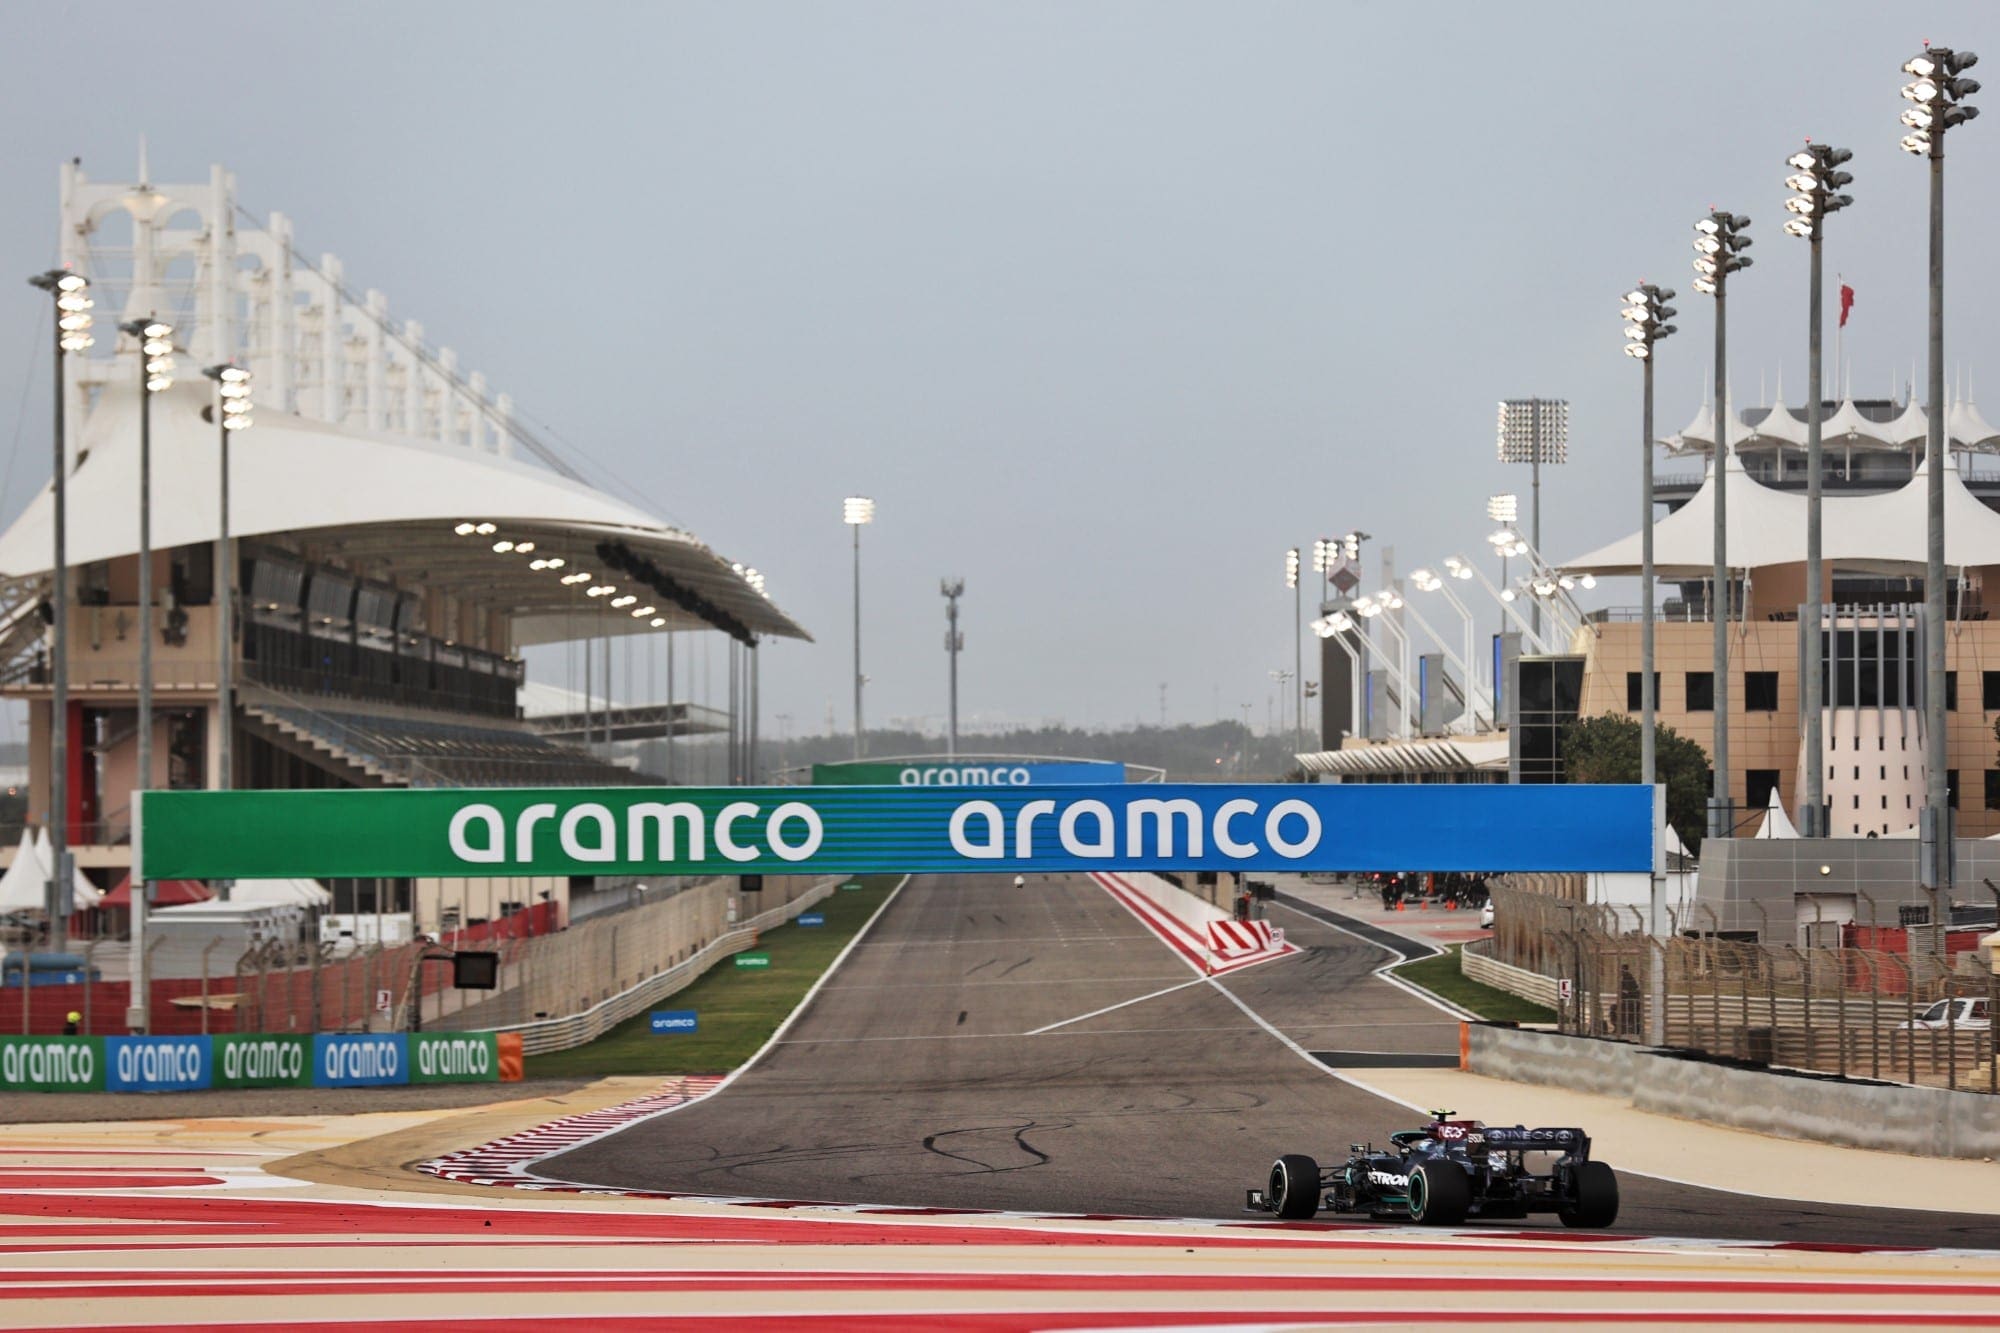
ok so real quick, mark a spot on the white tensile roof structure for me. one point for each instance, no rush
(394, 502)
(1845, 427)
(1875, 533)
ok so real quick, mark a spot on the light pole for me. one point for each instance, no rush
(232, 413)
(1298, 644)
(1646, 314)
(1936, 99)
(1534, 431)
(857, 511)
(1817, 182)
(953, 589)
(1719, 243)
(156, 374)
(72, 334)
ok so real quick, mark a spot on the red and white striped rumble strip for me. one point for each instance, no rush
(502, 1161)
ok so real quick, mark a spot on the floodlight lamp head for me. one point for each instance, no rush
(1804, 161)
(856, 510)
(1588, 580)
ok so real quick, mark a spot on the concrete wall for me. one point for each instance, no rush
(1925, 1122)
(1740, 875)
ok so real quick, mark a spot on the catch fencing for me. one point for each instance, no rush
(1843, 1009)
(547, 975)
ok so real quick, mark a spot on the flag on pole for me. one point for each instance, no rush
(1846, 303)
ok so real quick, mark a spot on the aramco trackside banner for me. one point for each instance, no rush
(848, 830)
(967, 773)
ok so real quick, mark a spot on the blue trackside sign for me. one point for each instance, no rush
(847, 830)
(360, 1060)
(671, 1021)
(157, 1064)
(812, 919)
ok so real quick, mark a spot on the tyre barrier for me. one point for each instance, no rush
(253, 1060)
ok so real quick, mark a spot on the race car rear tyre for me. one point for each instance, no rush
(1440, 1194)
(1294, 1191)
(1596, 1202)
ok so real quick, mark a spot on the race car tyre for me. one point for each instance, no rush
(1440, 1194)
(1596, 1203)
(1294, 1191)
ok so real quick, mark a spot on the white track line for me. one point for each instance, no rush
(1109, 1008)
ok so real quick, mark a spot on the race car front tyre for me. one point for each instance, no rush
(1294, 1191)
(1440, 1194)
(1596, 1202)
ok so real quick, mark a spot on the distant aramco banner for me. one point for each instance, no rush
(970, 773)
(849, 830)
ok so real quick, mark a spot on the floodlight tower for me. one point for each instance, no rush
(1817, 181)
(1937, 99)
(1646, 314)
(1534, 431)
(1719, 244)
(72, 334)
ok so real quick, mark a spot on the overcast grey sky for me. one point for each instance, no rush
(1106, 304)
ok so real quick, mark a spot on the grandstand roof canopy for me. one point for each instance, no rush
(1878, 424)
(1881, 533)
(391, 505)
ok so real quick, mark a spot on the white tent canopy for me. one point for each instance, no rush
(298, 892)
(24, 888)
(1777, 824)
(1876, 533)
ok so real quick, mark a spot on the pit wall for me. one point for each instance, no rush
(1924, 1122)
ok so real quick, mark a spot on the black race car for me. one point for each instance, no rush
(1448, 1171)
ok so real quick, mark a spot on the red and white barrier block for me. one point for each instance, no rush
(1209, 938)
(1233, 943)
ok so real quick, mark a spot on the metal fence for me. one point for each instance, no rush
(303, 987)
(1852, 1011)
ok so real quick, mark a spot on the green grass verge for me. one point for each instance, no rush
(1440, 975)
(738, 1008)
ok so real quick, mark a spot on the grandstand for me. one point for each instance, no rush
(398, 537)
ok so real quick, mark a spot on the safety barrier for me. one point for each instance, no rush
(255, 1060)
(1474, 963)
(1928, 1122)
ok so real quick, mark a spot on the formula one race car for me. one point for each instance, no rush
(1448, 1171)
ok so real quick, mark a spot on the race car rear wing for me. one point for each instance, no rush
(1520, 1139)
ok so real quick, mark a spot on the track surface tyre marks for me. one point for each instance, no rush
(1170, 1106)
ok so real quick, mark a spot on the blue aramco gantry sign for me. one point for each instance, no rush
(848, 830)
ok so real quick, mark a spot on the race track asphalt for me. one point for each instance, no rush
(957, 1060)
